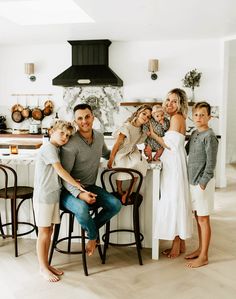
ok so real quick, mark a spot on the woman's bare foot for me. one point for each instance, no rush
(198, 262)
(182, 248)
(91, 246)
(55, 271)
(175, 250)
(166, 251)
(193, 255)
(48, 275)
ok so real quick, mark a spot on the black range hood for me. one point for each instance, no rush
(89, 65)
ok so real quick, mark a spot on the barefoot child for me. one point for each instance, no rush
(47, 187)
(160, 125)
(125, 152)
(202, 148)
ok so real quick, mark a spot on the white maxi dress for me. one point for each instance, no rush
(174, 213)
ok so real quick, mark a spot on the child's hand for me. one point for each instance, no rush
(109, 163)
(88, 197)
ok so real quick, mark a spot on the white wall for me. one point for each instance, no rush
(128, 59)
(231, 106)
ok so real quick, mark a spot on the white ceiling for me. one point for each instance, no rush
(129, 20)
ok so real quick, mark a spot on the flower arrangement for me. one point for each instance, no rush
(192, 79)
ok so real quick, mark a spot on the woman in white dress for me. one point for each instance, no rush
(174, 214)
(125, 152)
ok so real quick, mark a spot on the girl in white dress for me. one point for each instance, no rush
(174, 217)
(125, 152)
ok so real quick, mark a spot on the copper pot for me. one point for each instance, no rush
(17, 107)
(47, 111)
(48, 103)
(37, 114)
(26, 112)
(17, 116)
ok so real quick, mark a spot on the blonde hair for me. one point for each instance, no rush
(63, 125)
(132, 119)
(182, 103)
(202, 104)
(158, 108)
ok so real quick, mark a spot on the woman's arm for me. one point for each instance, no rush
(116, 146)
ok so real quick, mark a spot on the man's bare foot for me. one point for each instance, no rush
(55, 271)
(198, 262)
(91, 246)
(48, 275)
(193, 255)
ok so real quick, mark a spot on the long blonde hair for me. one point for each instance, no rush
(182, 103)
(132, 119)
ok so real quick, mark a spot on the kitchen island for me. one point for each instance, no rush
(23, 163)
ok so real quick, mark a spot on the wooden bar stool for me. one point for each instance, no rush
(134, 198)
(70, 237)
(13, 193)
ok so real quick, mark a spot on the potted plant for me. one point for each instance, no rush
(192, 79)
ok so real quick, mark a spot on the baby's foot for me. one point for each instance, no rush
(48, 275)
(198, 262)
(193, 255)
(91, 246)
(55, 271)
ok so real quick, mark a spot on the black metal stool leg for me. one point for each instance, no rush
(84, 252)
(137, 232)
(1, 229)
(106, 242)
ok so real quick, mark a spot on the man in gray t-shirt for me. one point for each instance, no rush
(81, 158)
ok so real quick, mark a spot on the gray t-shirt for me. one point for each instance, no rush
(202, 150)
(82, 160)
(47, 184)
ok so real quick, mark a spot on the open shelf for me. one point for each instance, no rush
(147, 103)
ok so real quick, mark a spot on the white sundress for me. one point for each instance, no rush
(174, 213)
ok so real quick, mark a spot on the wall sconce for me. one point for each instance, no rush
(29, 70)
(153, 68)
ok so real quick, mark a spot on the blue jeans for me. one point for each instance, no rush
(110, 206)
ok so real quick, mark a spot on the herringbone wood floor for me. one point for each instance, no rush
(122, 277)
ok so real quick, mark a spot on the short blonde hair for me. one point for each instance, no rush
(157, 108)
(63, 125)
(182, 103)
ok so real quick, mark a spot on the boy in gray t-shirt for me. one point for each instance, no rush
(202, 149)
(46, 197)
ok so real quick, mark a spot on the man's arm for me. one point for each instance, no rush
(105, 151)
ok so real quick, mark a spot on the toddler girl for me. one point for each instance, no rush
(125, 152)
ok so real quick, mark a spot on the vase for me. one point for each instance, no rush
(192, 99)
